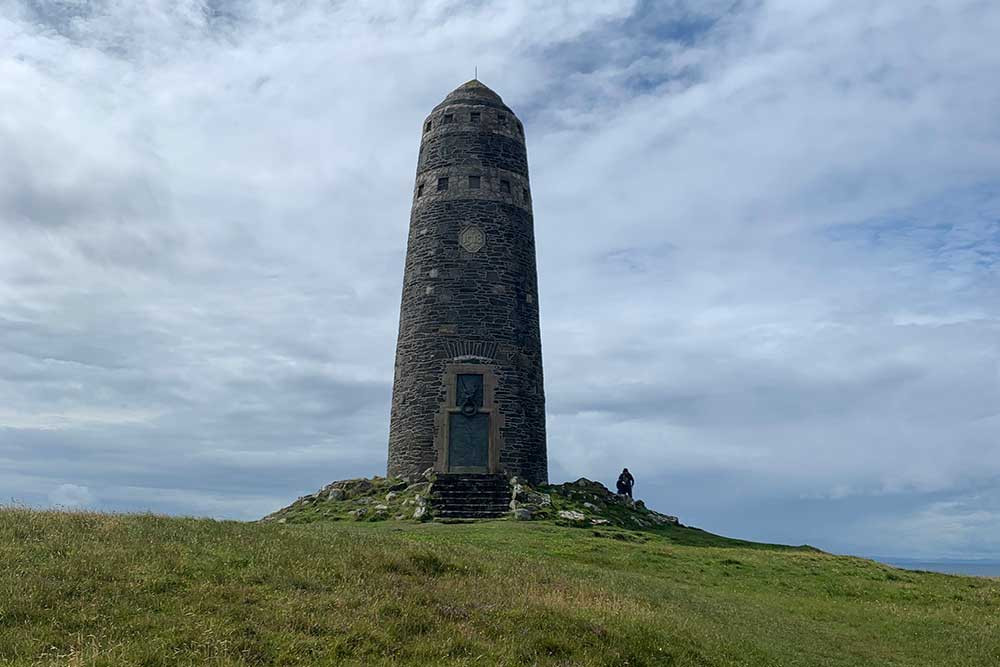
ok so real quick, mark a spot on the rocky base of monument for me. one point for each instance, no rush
(582, 503)
(375, 499)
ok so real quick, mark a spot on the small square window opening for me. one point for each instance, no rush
(449, 117)
(442, 183)
(505, 186)
(502, 118)
(427, 126)
(420, 190)
(474, 116)
(474, 182)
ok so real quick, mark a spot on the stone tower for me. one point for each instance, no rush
(467, 395)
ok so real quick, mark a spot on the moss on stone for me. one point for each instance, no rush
(363, 499)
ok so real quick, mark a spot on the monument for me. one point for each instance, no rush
(468, 399)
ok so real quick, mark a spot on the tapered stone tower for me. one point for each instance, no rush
(468, 396)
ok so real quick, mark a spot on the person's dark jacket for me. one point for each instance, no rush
(625, 483)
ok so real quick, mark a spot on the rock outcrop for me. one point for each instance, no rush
(581, 503)
(375, 499)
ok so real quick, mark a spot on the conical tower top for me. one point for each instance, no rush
(473, 92)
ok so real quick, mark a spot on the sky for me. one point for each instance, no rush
(768, 240)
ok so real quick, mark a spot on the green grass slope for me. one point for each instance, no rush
(91, 589)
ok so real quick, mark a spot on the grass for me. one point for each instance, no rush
(91, 589)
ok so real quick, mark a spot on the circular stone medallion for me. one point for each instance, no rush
(472, 238)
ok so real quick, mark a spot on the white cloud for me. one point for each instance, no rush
(960, 527)
(71, 495)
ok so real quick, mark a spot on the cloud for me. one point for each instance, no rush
(767, 241)
(71, 495)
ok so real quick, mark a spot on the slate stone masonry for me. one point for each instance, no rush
(470, 292)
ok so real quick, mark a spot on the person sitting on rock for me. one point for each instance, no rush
(625, 483)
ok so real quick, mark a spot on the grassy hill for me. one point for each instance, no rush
(92, 589)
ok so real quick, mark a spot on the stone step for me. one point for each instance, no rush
(465, 500)
(472, 505)
(469, 492)
(470, 485)
(470, 482)
(448, 495)
(467, 514)
(469, 475)
(469, 496)
(453, 478)
(470, 502)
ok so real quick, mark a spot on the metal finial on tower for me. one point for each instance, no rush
(476, 75)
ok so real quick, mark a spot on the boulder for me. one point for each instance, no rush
(389, 496)
(663, 519)
(571, 515)
(525, 496)
(590, 485)
(357, 487)
(515, 505)
(521, 514)
(335, 494)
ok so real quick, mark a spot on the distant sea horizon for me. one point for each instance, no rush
(974, 568)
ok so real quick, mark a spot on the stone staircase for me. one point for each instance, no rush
(469, 496)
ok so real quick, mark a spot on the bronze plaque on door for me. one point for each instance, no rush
(468, 449)
(468, 429)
